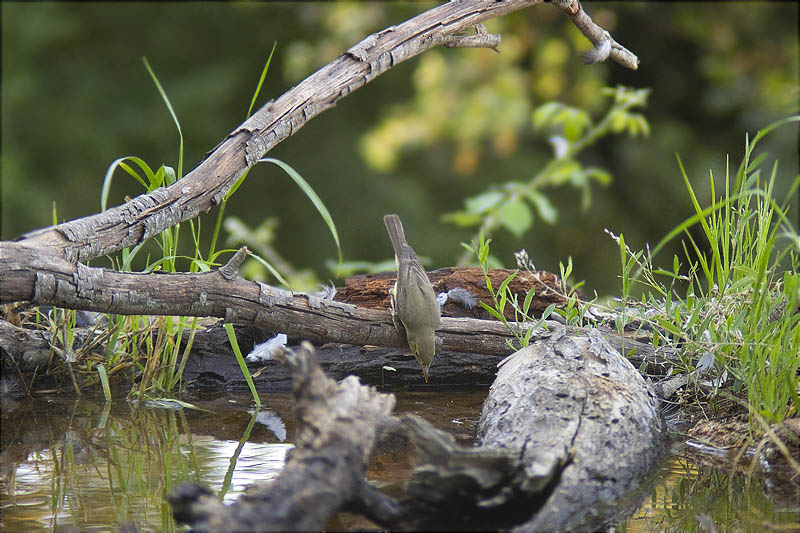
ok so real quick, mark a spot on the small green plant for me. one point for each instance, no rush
(740, 289)
(524, 324)
(512, 205)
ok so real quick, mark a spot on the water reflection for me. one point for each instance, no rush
(95, 465)
(91, 464)
(691, 497)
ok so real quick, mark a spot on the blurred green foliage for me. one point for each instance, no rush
(417, 141)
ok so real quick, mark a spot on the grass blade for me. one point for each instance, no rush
(311, 195)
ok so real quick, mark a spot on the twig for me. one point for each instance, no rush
(604, 45)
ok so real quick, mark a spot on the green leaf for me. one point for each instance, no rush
(563, 172)
(171, 112)
(482, 203)
(526, 305)
(618, 120)
(756, 162)
(120, 162)
(515, 216)
(526, 339)
(493, 312)
(575, 121)
(169, 175)
(638, 124)
(509, 279)
(546, 210)
(158, 178)
(670, 327)
(483, 252)
(600, 175)
(242, 365)
(272, 270)
(542, 115)
(101, 371)
(261, 79)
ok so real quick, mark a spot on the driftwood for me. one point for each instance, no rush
(568, 431)
(338, 425)
(348, 334)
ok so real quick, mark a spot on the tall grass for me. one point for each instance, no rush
(740, 302)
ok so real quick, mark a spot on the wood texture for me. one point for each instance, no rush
(577, 397)
(372, 290)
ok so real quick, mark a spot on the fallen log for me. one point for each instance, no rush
(568, 433)
(212, 356)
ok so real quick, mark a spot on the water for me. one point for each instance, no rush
(90, 465)
(94, 465)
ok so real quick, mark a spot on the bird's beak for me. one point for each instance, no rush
(425, 372)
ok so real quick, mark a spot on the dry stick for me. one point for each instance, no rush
(206, 186)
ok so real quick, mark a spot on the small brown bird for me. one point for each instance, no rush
(412, 297)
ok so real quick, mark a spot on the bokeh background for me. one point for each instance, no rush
(417, 141)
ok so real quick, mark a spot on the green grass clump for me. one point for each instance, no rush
(737, 300)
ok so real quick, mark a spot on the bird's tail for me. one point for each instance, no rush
(395, 230)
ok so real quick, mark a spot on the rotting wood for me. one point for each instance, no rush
(372, 290)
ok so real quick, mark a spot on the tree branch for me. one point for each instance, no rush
(34, 275)
(604, 45)
(206, 186)
(46, 266)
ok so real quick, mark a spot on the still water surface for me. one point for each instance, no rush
(84, 464)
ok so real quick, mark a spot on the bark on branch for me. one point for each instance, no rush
(205, 187)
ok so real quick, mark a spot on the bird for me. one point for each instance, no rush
(412, 298)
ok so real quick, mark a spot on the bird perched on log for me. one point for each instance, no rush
(412, 298)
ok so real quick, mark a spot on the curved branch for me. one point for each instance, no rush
(206, 186)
